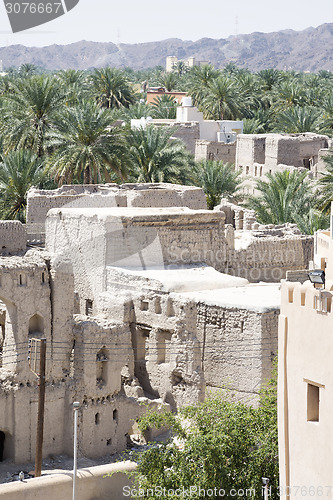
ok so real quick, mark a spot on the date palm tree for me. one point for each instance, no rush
(223, 99)
(155, 157)
(19, 171)
(164, 107)
(217, 180)
(111, 88)
(281, 197)
(30, 112)
(87, 147)
(269, 78)
(300, 119)
(27, 69)
(199, 79)
(75, 82)
(325, 185)
(169, 81)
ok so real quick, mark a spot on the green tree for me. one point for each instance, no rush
(281, 197)
(269, 78)
(155, 157)
(199, 79)
(229, 446)
(19, 171)
(223, 99)
(136, 111)
(111, 88)
(87, 148)
(164, 107)
(217, 180)
(169, 81)
(180, 68)
(76, 84)
(253, 126)
(30, 113)
(325, 185)
(27, 69)
(299, 119)
(312, 221)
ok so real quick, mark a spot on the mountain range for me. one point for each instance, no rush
(307, 50)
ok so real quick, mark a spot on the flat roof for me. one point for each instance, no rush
(180, 279)
(261, 297)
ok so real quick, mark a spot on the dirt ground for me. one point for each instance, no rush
(9, 471)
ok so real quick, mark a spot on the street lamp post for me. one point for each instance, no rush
(76, 407)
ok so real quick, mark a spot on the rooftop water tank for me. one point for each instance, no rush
(187, 101)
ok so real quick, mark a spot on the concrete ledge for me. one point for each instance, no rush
(90, 485)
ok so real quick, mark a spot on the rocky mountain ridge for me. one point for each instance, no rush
(307, 50)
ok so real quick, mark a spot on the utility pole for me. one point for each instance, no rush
(41, 406)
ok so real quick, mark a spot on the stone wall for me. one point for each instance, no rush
(186, 131)
(239, 347)
(133, 237)
(39, 202)
(184, 342)
(13, 237)
(88, 359)
(268, 259)
(208, 150)
(189, 133)
(258, 154)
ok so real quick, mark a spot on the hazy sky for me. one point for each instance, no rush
(134, 21)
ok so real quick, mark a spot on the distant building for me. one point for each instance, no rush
(260, 154)
(154, 92)
(189, 62)
(206, 139)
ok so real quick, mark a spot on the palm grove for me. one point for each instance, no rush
(63, 127)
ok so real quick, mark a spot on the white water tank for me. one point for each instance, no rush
(187, 101)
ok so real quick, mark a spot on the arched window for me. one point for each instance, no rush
(36, 325)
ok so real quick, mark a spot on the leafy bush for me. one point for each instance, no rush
(217, 444)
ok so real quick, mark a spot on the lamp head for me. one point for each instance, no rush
(317, 277)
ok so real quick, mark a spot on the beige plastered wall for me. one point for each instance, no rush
(92, 484)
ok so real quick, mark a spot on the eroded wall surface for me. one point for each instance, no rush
(13, 237)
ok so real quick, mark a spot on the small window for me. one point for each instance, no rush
(115, 415)
(313, 403)
(89, 307)
(43, 277)
(302, 298)
(158, 309)
(247, 170)
(291, 295)
(144, 305)
(22, 280)
(97, 418)
(164, 347)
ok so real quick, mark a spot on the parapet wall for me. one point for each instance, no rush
(13, 237)
(39, 202)
(100, 482)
